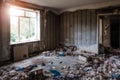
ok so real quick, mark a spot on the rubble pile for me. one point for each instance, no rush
(27, 73)
(103, 66)
(98, 68)
(107, 50)
(61, 51)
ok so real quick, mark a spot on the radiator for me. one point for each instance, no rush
(20, 52)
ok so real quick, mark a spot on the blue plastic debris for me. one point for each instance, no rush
(61, 54)
(86, 69)
(115, 76)
(35, 65)
(20, 69)
(55, 72)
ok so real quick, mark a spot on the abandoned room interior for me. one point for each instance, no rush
(59, 39)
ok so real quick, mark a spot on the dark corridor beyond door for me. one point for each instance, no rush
(115, 31)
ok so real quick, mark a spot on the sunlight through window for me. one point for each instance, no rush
(25, 25)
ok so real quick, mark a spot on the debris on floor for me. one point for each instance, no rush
(61, 64)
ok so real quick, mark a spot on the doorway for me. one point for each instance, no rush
(115, 31)
(109, 31)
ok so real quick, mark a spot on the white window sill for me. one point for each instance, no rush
(16, 43)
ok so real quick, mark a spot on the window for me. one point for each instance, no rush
(24, 25)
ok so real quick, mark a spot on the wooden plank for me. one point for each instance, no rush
(48, 30)
(48, 36)
(83, 27)
(58, 28)
(119, 31)
(67, 26)
(54, 41)
(55, 31)
(42, 25)
(70, 22)
(82, 36)
(47, 23)
(75, 28)
(62, 29)
(65, 30)
(0, 30)
(5, 33)
(72, 28)
(52, 32)
(88, 28)
(80, 28)
(93, 27)
(85, 13)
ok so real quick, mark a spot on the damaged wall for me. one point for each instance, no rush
(48, 34)
(34, 47)
(7, 49)
(119, 31)
(0, 30)
(52, 30)
(106, 31)
(80, 28)
(5, 29)
(110, 17)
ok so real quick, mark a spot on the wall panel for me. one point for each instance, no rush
(52, 30)
(0, 26)
(80, 28)
(88, 27)
(5, 29)
(49, 34)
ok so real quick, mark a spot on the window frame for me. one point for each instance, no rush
(37, 27)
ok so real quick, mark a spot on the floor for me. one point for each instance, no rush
(81, 67)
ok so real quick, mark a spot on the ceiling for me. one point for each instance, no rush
(68, 4)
